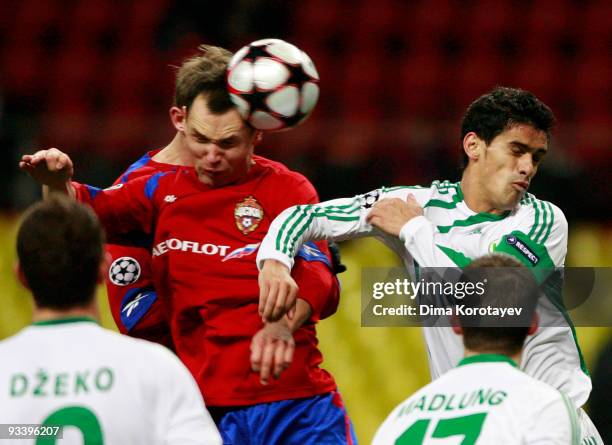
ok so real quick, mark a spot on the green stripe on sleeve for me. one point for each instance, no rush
(308, 213)
(536, 219)
(289, 246)
(540, 235)
(552, 221)
(574, 424)
(282, 229)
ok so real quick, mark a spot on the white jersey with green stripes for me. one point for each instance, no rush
(451, 235)
(485, 400)
(103, 387)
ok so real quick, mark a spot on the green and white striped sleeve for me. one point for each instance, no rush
(544, 235)
(337, 220)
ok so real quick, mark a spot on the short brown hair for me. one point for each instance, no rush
(508, 284)
(204, 73)
(60, 248)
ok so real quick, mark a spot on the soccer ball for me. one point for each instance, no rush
(273, 84)
(124, 271)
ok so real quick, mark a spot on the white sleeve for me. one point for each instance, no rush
(419, 237)
(181, 407)
(544, 236)
(335, 220)
(555, 242)
(556, 423)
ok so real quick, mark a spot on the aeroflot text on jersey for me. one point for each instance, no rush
(189, 246)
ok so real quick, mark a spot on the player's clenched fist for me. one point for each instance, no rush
(51, 167)
(272, 350)
(277, 291)
(391, 214)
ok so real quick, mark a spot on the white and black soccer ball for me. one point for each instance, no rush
(273, 84)
(124, 271)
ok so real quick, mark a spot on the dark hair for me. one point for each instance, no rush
(503, 107)
(60, 248)
(205, 74)
(507, 283)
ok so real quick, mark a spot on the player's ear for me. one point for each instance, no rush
(473, 146)
(535, 324)
(454, 321)
(178, 117)
(20, 275)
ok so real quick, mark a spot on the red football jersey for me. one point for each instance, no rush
(204, 271)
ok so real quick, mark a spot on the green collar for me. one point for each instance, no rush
(487, 358)
(63, 321)
(459, 191)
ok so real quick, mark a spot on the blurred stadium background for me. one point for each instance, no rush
(95, 78)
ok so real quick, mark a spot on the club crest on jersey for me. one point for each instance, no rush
(248, 214)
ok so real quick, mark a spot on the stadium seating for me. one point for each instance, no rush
(97, 66)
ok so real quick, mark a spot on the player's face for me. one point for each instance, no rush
(220, 146)
(509, 163)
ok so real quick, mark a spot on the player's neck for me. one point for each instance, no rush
(516, 358)
(473, 195)
(171, 153)
(46, 314)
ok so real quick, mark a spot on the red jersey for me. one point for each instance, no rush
(204, 270)
(133, 300)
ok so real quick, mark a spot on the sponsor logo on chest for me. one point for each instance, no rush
(248, 214)
(189, 246)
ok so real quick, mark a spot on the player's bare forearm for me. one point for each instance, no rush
(67, 189)
(277, 291)
(302, 313)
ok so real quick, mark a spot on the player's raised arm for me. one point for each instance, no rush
(335, 220)
(52, 168)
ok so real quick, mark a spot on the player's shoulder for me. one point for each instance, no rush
(143, 166)
(530, 391)
(12, 343)
(280, 172)
(135, 345)
(532, 203)
(441, 185)
(138, 351)
(440, 193)
(269, 163)
(541, 213)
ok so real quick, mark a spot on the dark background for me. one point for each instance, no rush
(95, 79)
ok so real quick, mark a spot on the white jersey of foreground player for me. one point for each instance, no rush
(451, 235)
(485, 400)
(111, 389)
